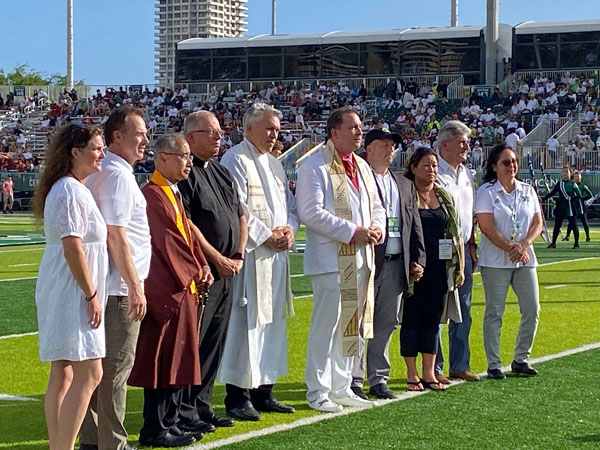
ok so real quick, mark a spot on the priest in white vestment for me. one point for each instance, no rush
(255, 353)
(338, 201)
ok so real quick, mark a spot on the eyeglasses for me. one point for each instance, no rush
(181, 156)
(509, 162)
(211, 133)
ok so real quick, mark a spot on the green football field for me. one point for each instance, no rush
(558, 409)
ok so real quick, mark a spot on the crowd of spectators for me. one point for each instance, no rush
(415, 111)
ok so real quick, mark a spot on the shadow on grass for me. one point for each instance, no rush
(586, 438)
(13, 415)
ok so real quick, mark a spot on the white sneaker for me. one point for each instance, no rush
(353, 401)
(325, 405)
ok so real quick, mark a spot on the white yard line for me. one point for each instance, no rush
(23, 250)
(326, 416)
(23, 265)
(18, 279)
(11, 336)
(554, 286)
(16, 398)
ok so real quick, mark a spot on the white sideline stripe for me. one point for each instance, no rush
(23, 265)
(10, 336)
(16, 398)
(554, 286)
(297, 275)
(346, 411)
(18, 279)
(23, 250)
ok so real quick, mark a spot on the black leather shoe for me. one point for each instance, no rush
(552, 245)
(523, 368)
(87, 446)
(271, 404)
(359, 392)
(168, 440)
(176, 431)
(218, 421)
(197, 426)
(244, 411)
(382, 391)
(496, 374)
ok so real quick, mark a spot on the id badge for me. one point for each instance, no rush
(445, 249)
(393, 227)
(516, 230)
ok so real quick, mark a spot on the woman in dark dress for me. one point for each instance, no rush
(422, 311)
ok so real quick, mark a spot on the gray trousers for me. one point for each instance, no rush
(495, 285)
(388, 297)
(103, 422)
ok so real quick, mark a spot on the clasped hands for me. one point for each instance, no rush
(517, 252)
(282, 238)
(366, 236)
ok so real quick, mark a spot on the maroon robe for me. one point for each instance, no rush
(167, 347)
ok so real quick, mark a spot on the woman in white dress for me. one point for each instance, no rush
(70, 292)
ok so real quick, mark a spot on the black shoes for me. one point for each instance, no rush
(197, 426)
(496, 374)
(271, 404)
(523, 368)
(244, 411)
(219, 422)
(566, 239)
(359, 392)
(587, 239)
(382, 391)
(576, 246)
(552, 245)
(168, 439)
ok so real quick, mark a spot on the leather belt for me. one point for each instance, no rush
(387, 258)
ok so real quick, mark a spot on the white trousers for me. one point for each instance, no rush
(327, 371)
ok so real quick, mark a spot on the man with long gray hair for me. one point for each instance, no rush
(456, 178)
(255, 353)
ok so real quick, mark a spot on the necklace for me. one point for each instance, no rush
(425, 200)
(74, 176)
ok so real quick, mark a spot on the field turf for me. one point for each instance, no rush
(558, 409)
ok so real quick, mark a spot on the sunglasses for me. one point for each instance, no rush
(509, 162)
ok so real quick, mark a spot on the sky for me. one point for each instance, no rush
(114, 39)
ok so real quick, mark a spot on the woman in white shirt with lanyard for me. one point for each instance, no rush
(508, 213)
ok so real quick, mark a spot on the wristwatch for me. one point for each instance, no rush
(238, 255)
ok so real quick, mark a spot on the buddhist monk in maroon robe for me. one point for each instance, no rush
(167, 357)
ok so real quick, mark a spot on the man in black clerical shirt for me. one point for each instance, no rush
(212, 204)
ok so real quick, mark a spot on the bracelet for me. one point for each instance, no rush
(89, 299)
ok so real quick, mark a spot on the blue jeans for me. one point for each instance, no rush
(458, 333)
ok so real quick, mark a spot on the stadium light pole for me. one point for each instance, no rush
(70, 44)
(491, 42)
(453, 13)
(273, 16)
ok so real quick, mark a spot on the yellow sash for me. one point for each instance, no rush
(182, 225)
(352, 307)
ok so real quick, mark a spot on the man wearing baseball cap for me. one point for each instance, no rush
(398, 259)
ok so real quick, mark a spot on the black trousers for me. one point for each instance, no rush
(196, 401)
(584, 222)
(237, 395)
(161, 411)
(559, 216)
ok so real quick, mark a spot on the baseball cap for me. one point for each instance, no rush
(383, 133)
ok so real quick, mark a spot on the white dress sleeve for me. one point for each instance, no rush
(70, 213)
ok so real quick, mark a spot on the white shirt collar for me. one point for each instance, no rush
(118, 160)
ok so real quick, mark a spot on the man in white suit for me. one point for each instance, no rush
(337, 200)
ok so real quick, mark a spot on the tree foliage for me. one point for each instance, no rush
(23, 75)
